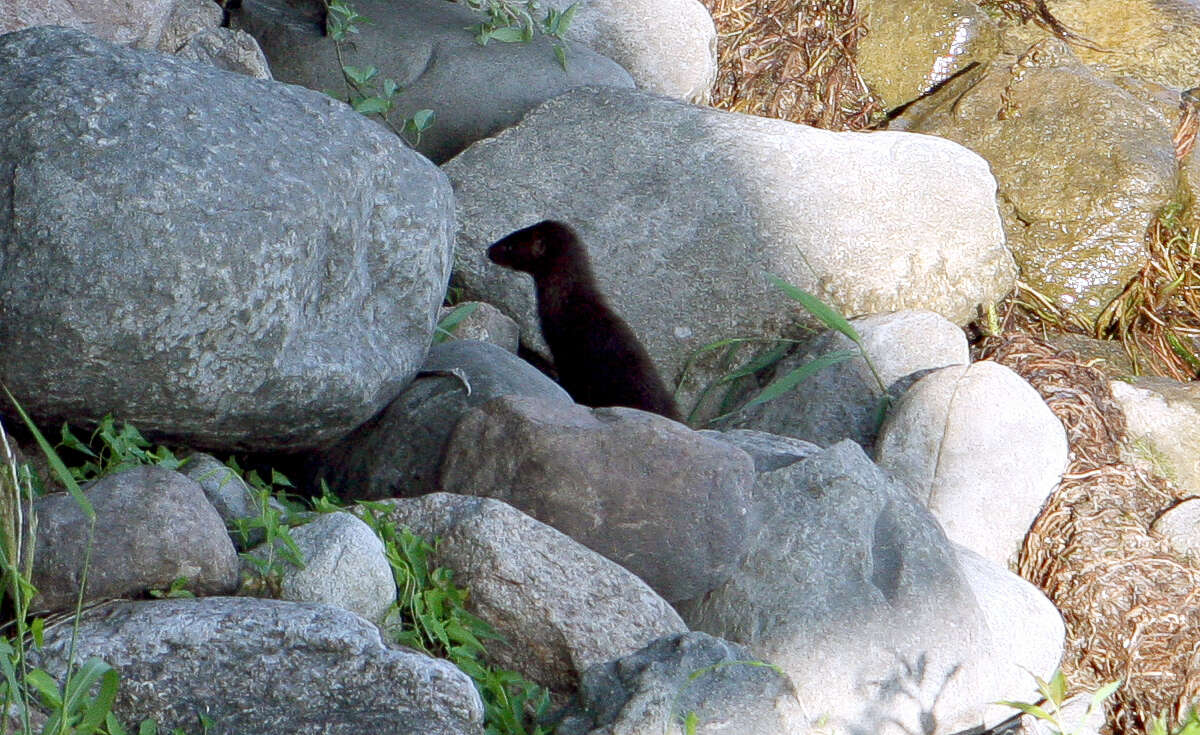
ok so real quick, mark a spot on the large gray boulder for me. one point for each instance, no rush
(397, 453)
(876, 625)
(234, 263)
(152, 527)
(687, 208)
(265, 666)
(427, 47)
(558, 606)
(665, 502)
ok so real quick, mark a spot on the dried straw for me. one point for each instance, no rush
(793, 60)
(1131, 605)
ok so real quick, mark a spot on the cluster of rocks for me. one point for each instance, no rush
(237, 264)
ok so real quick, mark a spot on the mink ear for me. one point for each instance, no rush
(538, 246)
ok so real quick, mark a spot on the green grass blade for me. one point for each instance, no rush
(784, 384)
(822, 311)
(56, 463)
(97, 709)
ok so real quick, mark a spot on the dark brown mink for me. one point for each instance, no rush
(599, 359)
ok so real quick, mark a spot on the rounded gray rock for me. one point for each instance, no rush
(344, 565)
(266, 666)
(152, 527)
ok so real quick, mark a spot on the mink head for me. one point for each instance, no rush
(535, 249)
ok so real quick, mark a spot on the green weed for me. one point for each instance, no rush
(82, 704)
(449, 323)
(367, 93)
(825, 314)
(1055, 695)
(110, 450)
(431, 616)
(274, 523)
(516, 21)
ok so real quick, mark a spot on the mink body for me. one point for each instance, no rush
(599, 359)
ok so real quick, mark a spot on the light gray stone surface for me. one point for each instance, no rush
(227, 49)
(1180, 526)
(152, 526)
(769, 451)
(559, 606)
(139, 23)
(188, 18)
(234, 263)
(687, 208)
(266, 666)
(344, 565)
(668, 504)
(1161, 416)
(981, 449)
(669, 47)
(485, 323)
(1022, 620)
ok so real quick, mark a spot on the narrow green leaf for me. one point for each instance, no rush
(826, 314)
(782, 385)
(1029, 709)
(46, 686)
(56, 463)
(560, 53)
(450, 322)
(95, 711)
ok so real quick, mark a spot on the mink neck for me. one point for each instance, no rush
(564, 279)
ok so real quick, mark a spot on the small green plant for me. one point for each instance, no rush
(1050, 710)
(110, 450)
(274, 521)
(515, 21)
(82, 704)
(1189, 726)
(431, 616)
(178, 589)
(367, 93)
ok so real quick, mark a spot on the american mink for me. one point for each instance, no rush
(599, 359)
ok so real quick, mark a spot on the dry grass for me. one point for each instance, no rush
(793, 60)
(1131, 605)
